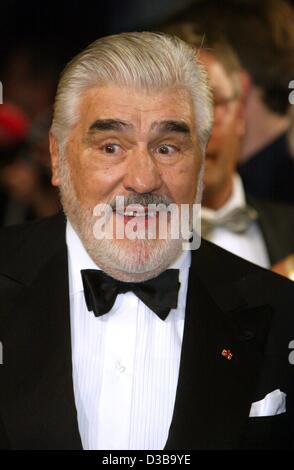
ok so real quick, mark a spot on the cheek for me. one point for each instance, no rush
(182, 183)
(94, 183)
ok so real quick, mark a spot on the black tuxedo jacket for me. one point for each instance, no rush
(231, 304)
(269, 173)
(276, 222)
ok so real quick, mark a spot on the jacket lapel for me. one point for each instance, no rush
(37, 388)
(215, 393)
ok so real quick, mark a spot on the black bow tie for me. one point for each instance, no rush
(160, 294)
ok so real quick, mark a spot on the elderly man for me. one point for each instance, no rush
(133, 342)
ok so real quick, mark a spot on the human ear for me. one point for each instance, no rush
(54, 153)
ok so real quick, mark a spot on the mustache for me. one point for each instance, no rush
(143, 199)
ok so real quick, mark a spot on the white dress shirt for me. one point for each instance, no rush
(125, 363)
(249, 245)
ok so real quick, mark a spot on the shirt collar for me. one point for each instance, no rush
(236, 200)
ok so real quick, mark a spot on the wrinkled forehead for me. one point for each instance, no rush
(139, 109)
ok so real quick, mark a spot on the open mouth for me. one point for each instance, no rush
(140, 217)
(138, 212)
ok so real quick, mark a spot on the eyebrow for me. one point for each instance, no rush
(109, 125)
(161, 126)
(171, 126)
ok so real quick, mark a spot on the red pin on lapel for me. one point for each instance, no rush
(227, 353)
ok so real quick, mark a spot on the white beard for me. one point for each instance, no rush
(127, 260)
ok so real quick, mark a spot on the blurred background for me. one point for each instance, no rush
(36, 41)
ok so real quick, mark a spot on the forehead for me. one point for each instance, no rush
(139, 107)
(219, 78)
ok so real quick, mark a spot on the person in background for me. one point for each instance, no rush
(25, 188)
(257, 230)
(29, 76)
(120, 342)
(262, 35)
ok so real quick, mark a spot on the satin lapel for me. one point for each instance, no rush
(36, 388)
(214, 393)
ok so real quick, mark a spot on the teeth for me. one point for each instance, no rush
(129, 213)
(136, 214)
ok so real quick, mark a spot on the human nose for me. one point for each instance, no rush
(142, 175)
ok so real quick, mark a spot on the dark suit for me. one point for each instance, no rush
(276, 222)
(269, 173)
(231, 304)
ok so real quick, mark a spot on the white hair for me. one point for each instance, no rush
(145, 60)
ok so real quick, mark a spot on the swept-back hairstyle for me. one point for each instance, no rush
(144, 60)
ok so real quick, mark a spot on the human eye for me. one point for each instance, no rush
(166, 149)
(111, 148)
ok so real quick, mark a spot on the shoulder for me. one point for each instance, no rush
(223, 271)
(276, 221)
(25, 242)
(216, 262)
(275, 211)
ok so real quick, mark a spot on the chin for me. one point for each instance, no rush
(135, 259)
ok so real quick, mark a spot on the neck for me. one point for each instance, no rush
(262, 125)
(215, 200)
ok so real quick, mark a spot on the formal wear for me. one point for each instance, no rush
(269, 173)
(249, 244)
(238, 328)
(267, 239)
(125, 363)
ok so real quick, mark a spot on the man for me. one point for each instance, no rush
(267, 156)
(257, 230)
(146, 369)
(261, 34)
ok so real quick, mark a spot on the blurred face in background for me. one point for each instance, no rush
(224, 145)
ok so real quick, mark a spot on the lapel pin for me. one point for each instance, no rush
(227, 353)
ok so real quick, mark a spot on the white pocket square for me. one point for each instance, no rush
(272, 404)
